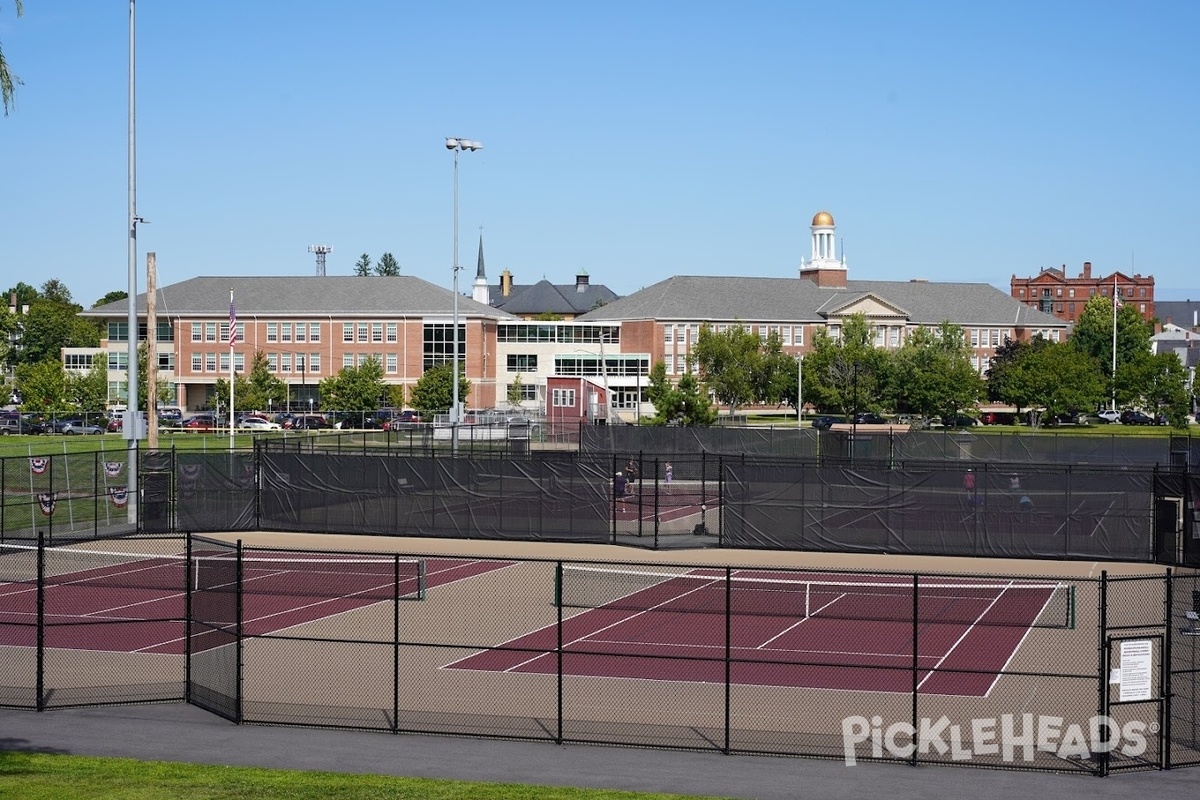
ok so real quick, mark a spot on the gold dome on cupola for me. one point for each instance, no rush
(823, 219)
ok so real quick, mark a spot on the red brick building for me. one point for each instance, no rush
(1053, 292)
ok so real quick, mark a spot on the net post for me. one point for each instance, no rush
(1103, 665)
(421, 578)
(1071, 607)
(558, 584)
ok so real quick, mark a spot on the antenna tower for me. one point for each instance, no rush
(321, 250)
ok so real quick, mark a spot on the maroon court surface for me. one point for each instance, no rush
(138, 606)
(835, 637)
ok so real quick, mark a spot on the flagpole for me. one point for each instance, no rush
(1114, 345)
(232, 342)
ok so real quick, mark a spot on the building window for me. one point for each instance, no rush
(347, 332)
(894, 336)
(1020, 292)
(314, 363)
(314, 331)
(210, 362)
(210, 331)
(118, 331)
(377, 332)
(681, 365)
(1092, 292)
(438, 346)
(668, 334)
(392, 364)
(197, 362)
(528, 391)
(239, 362)
(118, 359)
(522, 362)
(564, 398)
(78, 361)
(1142, 308)
(224, 362)
(693, 333)
(285, 332)
(347, 360)
(362, 331)
(301, 329)
(799, 337)
(974, 337)
(1071, 309)
(166, 361)
(285, 362)
(1143, 291)
(392, 336)
(197, 332)
(1059, 291)
(272, 331)
(1071, 292)
(273, 362)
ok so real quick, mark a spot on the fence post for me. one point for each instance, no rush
(1103, 665)
(558, 646)
(396, 643)
(916, 616)
(1164, 722)
(240, 631)
(188, 588)
(728, 657)
(41, 622)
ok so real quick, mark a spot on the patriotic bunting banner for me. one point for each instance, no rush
(47, 501)
(119, 496)
(113, 468)
(38, 465)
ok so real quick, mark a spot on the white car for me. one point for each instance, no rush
(1109, 415)
(258, 424)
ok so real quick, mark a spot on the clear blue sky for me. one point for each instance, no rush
(633, 140)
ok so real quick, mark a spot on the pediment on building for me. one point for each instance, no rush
(869, 304)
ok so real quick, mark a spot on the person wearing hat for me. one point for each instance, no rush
(619, 482)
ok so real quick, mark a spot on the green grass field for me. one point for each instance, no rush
(39, 776)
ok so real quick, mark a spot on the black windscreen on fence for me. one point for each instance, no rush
(214, 632)
(1038, 511)
(553, 500)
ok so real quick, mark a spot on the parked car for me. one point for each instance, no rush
(867, 418)
(824, 423)
(1109, 415)
(1131, 417)
(57, 425)
(15, 423)
(200, 422)
(1072, 418)
(998, 418)
(959, 421)
(403, 419)
(306, 422)
(76, 427)
(257, 424)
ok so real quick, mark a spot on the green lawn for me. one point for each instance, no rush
(39, 776)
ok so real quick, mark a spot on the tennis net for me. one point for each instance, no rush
(293, 574)
(866, 597)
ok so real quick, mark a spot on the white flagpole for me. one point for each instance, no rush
(232, 341)
(1114, 344)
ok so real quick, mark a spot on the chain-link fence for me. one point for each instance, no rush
(1034, 671)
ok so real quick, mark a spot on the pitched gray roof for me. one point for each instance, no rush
(544, 296)
(1182, 312)
(341, 295)
(800, 300)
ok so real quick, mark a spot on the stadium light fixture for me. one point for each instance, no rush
(456, 145)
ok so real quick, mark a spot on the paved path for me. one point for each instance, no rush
(179, 732)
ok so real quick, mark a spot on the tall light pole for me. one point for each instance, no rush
(456, 145)
(800, 390)
(132, 413)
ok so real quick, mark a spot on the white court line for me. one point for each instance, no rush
(1013, 653)
(753, 649)
(806, 619)
(958, 641)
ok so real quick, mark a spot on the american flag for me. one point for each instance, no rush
(232, 322)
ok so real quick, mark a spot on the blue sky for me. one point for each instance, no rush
(633, 140)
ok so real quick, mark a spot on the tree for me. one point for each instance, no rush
(434, 390)
(111, 297)
(932, 374)
(8, 81)
(89, 392)
(1093, 335)
(846, 373)
(51, 326)
(730, 364)
(1056, 378)
(514, 390)
(387, 266)
(354, 388)
(261, 388)
(56, 291)
(1165, 388)
(161, 389)
(548, 316)
(362, 268)
(43, 387)
(682, 404)
(25, 294)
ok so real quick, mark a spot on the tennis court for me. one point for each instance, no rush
(767, 628)
(92, 596)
